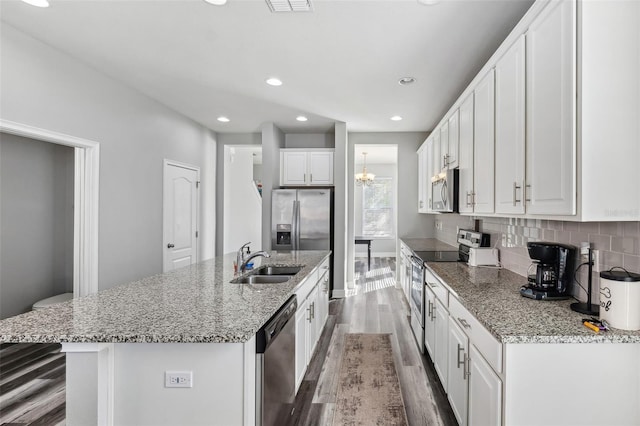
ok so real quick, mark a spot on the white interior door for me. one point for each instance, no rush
(180, 215)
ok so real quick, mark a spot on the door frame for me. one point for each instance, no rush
(166, 163)
(85, 198)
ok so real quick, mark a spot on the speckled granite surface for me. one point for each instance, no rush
(427, 244)
(192, 304)
(492, 295)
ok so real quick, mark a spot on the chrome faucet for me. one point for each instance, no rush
(242, 261)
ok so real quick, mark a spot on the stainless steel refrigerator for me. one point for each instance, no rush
(301, 219)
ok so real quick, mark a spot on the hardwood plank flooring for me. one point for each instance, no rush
(375, 306)
(32, 385)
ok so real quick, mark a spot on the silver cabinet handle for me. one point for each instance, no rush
(466, 371)
(460, 362)
(464, 322)
(305, 178)
(313, 310)
(433, 312)
(309, 312)
(430, 309)
(432, 285)
(473, 198)
(515, 188)
(421, 203)
(527, 191)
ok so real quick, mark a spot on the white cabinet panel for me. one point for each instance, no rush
(485, 392)
(483, 150)
(458, 387)
(551, 85)
(440, 361)
(423, 177)
(294, 168)
(302, 319)
(444, 147)
(436, 159)
(510, 130)
(465, 156)
(429, 322)
(451, 154)
(320, 168)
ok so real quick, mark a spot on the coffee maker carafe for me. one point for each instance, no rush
(550, 275)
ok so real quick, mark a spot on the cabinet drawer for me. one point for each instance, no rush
(307, 286)
(436, 286)
(488, 345)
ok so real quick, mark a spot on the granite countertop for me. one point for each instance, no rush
(492, 296)
(193, 304)
(427, 244)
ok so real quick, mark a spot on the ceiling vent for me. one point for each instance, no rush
(289, 5)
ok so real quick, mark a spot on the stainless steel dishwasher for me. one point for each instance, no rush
(275, 366)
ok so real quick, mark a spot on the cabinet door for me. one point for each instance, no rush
(483, 145)
(294, 168)
(302, 321)
(312, 327)
(320, 168)
(444, 145)
(454, 134)
(485, 392)
(551, 118)
(428, 159)
(465, 156)
(510, 131)
(436, 159)
(441, 342)
(458, 388)
(422, 179)
(429, 322)
(323, 302)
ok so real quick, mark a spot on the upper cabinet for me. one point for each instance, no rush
(510, 115)
(550, 186)
(300, 167)
(555, 118)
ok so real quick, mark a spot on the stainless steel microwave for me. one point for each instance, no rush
(444, 192)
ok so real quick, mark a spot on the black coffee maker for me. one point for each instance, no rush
(550, 275)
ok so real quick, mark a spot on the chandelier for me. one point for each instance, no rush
(364, 178)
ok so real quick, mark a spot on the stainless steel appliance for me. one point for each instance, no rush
(417, 301)
(275, 362)
(301, 219)
(444, 192)
(468, 239)
(552, 268)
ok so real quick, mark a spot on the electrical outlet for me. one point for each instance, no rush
(596, 260)
(178, 379)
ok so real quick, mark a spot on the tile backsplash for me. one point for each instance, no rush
(617, 242)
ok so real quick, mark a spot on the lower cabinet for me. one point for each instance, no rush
(485, 392)
(430, 322)
(458, 386)
(311, 316)
(441, 358)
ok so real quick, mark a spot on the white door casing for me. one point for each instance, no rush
(180, 215)
(85, 200)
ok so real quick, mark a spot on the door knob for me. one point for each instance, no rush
(170, 245)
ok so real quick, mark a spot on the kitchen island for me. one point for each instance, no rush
(121, 341)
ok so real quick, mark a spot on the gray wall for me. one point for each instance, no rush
(309, 140)
(36, 222)
(48, 89)
(272, 140)
(222, 140)
(341, 262)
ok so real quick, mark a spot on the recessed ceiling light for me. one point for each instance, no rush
(216, 2)
(274, 81)
(223, 119)
(37, 3)
(429, 2)
(406, 80)
(396, 118)
(301, 118)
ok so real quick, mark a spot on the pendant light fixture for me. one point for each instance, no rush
(364, 178)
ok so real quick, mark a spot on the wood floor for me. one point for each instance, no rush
(32, 377)
(32, 384)
(374, 308)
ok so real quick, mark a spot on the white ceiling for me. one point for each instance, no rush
(340, 62)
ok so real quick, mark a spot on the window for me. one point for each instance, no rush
(377, 208)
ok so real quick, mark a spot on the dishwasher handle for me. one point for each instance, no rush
(274, 326)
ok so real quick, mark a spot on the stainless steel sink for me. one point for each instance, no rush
(278, 270)
(261, 279)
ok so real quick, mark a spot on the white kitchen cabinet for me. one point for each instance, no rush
(510, 130)
(485, 392)
(444, 147)
(458, 386)
(484, 145)
(323, 301)
(405, 270)
(451, 154)
(301, 167)
(429, 322)
(465, 156)
(436, 159)
(550, 110)
(423, 177)
(303, 316)
(312, 326)
(441, 359)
